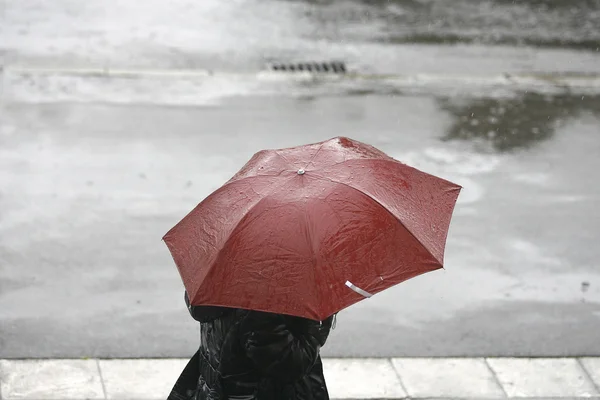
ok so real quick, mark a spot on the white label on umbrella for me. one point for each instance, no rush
(358, 290)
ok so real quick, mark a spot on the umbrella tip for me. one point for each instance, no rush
(300, 171)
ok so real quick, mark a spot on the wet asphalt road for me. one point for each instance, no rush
(94, 170)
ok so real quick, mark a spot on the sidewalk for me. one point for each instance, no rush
(398, 378)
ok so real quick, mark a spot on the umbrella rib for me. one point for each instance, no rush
(245, 178)
(312, 249)
(314, 155)
(385, 208)
(281, 155)
(362, 159)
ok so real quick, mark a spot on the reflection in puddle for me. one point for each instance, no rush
(512, 123)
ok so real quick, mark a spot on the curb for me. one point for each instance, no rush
(206, 87)
(368, 378)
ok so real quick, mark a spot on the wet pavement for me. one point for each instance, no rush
(242, 34)
(540, 23)
(95, 169)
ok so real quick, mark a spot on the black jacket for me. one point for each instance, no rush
(251, 355)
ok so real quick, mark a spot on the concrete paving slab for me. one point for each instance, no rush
(158, 376)
(439, 378)
(453, 377)
(592, 367)
(558, 377)
(50, 379)
(362, 379)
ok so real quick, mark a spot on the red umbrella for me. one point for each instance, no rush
(310, 230)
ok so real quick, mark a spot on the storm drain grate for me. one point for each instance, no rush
(335, 67)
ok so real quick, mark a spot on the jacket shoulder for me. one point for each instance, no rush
(206, 313)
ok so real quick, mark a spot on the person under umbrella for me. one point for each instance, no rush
(297, 235)
(253, 355)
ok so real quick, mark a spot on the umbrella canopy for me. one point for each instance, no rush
(310, 230)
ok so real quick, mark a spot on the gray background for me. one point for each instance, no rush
(94, 170)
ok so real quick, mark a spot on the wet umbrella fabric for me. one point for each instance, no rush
(311, 230)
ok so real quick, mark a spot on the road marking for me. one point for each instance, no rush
(566, 80)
